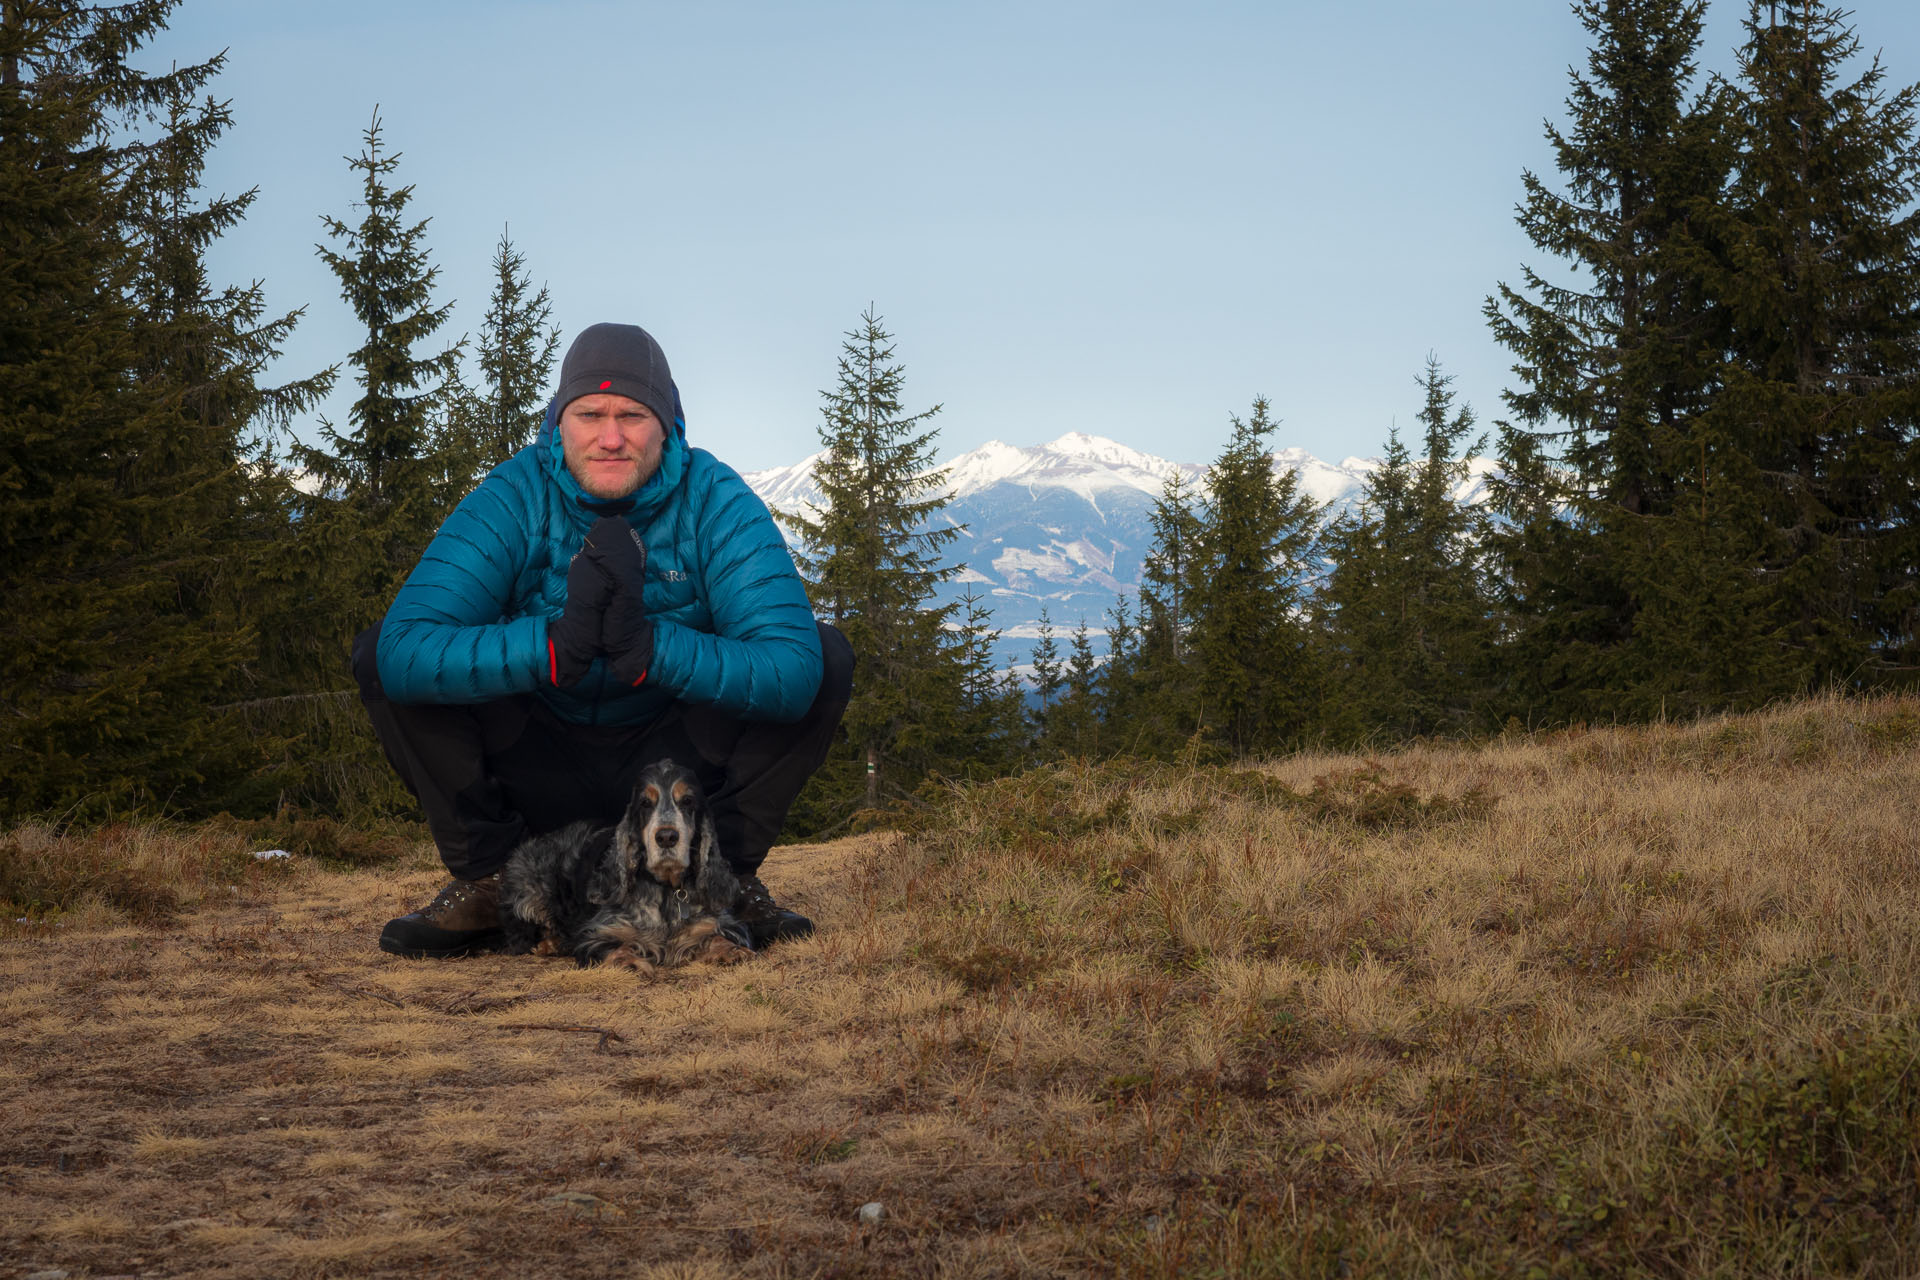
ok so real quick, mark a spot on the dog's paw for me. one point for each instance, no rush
(546, 947)
(628, 958)
(720, 949)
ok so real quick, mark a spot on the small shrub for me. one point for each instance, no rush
(1126, 1086)
(818, 1146)
(1058, 803)
(1250, 784)
(1364, 797)
(986, 964)
(1896, 730)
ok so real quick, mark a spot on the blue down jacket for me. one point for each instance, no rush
(732, 626)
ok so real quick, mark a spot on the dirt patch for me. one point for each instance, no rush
(254, 1089)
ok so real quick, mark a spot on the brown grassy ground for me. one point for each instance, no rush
(1627, 1001)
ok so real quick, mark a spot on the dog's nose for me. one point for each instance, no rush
(667, 837)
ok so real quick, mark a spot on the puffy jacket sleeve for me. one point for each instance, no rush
(447, 638)
(762, 661)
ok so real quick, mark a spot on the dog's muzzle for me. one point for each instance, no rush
(669, 861)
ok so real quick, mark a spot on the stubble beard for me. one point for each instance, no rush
(643, 468)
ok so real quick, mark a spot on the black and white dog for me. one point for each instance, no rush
(652, 890)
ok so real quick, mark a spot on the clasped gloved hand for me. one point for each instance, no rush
(626, 633)
(573, 639)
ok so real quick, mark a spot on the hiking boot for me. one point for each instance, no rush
(463, 917)
(767, 920)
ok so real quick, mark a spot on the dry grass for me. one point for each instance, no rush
(1611, 1002)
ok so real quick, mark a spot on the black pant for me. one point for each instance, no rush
(491, 774)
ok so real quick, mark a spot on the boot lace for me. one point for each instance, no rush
(754, 896)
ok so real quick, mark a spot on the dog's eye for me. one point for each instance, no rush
(650, 797)
(682, 792)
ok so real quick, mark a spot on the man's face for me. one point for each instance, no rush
(611, 443)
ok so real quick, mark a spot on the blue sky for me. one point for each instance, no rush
(1118, 218)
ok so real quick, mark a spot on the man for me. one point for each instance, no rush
(608, 596)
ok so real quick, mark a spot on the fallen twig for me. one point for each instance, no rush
(474, 1002)
(355, 989)
(606, 1034)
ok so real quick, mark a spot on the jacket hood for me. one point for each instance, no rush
(652, 495)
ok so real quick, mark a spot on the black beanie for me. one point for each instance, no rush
(622, 359)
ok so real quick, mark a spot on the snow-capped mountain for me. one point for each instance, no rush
(1078, 462)
(1064, 525)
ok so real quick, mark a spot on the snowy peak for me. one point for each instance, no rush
(1077, 461)
(787, 488)
(1325, 482)
(990, 464)
(1110, 453)
(1082, 463)
(1089, 465)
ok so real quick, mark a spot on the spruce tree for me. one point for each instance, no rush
(204, 348)
(1362, 611)
(1048, 680)
(987, 736)
(1075, 729)
(1452, 680)
(871, 560)
(211, 342)
(1616, 368)
(123, 487)
(1406, 609)
(1119, 685)
(1252, 662)
(1813, 443)
(1155, 684)
(517, 348)
(1166, 576)
(382, 484)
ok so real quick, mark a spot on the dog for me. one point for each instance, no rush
(651, 891)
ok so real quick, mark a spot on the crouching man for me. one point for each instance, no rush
(608, 596)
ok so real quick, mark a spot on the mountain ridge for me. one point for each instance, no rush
(1065, 526)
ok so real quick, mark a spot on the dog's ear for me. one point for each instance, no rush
(612, 879)
(719, 888)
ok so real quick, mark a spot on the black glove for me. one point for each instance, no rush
(573, 639)
(626, 633)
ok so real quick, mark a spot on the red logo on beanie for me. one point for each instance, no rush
(606, 384)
